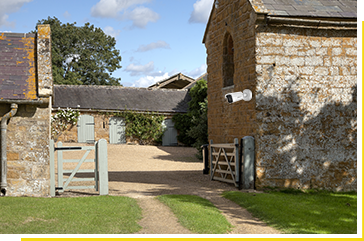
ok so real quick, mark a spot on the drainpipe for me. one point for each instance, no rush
(4, 126)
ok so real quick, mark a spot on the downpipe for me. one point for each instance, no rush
(4, 127)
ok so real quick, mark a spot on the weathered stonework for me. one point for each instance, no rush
(303, 112)
(28, 132)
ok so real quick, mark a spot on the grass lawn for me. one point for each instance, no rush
(297, 212)
(197, 214)
(77, 215)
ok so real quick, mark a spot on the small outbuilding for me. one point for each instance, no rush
(94, 102)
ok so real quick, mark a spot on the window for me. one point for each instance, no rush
(228, 61)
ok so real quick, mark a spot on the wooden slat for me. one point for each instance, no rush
(80, 171)
(81, 179)
(225, 145)
(224, 163)
(228, 154)
(77, 160)
(225, 171)
(224, 180)
(81, 187)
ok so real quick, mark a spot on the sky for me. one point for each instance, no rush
(156, 38)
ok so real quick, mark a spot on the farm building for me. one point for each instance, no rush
(94, 102)
(177, 81)
(26, 88)
(299, 59)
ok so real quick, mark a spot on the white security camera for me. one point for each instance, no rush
(236, 96)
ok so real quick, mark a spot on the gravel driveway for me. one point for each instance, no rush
(144, 172)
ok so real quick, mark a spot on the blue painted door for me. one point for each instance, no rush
(86, 129)
(170, 135)
(117, 130)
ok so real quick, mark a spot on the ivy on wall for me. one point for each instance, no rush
(63, 120)
(145, 128)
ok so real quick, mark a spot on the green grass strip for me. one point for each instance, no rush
(77, 215)
(197, 214)
(297, 212)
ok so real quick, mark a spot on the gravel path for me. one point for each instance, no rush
(144, 172)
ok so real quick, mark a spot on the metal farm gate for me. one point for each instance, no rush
(233, 163)
(99, 171)
(86, 129)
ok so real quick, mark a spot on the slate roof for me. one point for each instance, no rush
(312, 8)
(114, 98)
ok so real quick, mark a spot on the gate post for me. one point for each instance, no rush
(60, 167)
(51, 167)
(102, 166)
(249, 159)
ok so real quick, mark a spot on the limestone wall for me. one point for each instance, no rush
(306, 107)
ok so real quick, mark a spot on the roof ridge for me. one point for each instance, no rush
(117, 87)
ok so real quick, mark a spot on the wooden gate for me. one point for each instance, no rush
(117, 130)
(99, 171)
(225, 162)
(234, 163)
(86, 129)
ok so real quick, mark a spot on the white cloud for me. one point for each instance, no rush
(111, 31)
(135, 70)
(119, 9)
(155, 45)
(195, 73)
(149, 80)
(7, 7)
(201, 11)
(141, 16)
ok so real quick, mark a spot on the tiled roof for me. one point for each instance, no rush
(115, 98)
(311, 8)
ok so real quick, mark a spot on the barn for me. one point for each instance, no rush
(299, 59)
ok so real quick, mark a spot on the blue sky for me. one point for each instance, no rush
(156, 38)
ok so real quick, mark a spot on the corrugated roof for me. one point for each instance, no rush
(115, 98)
(311, 8)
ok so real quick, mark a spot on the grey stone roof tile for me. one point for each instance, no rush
(114, 98)
(314, 8)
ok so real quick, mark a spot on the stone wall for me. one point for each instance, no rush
(306, 107)
(25, 61)
(28, 151)
(229, 121)
(101, 128)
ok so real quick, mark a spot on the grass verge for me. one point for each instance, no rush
(298, 212)
(81, 215)
(197, 214)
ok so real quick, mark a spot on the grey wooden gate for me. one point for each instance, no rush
(86, 129)
(99, 172)
(117, 130)
(170, 135)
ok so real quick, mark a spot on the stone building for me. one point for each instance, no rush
(25, 109)
(97, 103)
(299, 59)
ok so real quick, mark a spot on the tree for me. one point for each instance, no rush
(192, 126)
(82, 55)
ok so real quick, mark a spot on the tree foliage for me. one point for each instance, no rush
(192, 126)
(82, 55)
